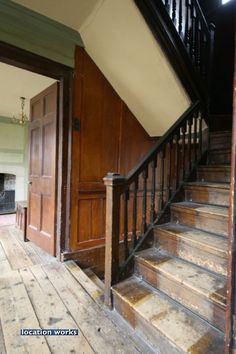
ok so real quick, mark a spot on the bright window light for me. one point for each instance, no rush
(225, 1)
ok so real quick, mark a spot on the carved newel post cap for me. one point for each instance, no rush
(113, 178)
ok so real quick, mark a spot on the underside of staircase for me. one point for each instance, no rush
(176, 298)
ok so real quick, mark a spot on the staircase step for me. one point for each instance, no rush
(220, 140)
(222, 156)
(202, 292)
(202, 248)
(214, 173)
(209, 218)
(166, 325)
(206, 192)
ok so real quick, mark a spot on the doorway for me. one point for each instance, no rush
(63, 75)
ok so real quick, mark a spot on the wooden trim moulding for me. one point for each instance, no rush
(23, 59)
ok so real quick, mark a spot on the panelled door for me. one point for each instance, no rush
(42, 169)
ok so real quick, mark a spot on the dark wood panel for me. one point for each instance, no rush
(110, 139)
(42, 174)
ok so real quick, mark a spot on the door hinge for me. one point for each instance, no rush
(76, 124)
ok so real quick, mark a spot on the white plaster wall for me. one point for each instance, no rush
(119, 41)
(14, 156)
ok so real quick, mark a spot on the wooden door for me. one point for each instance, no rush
(42, 169)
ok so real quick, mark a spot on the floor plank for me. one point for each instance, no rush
(51, 312)
(15, 253)
(3, 256)
(89, 286)
(37, 291)
(99, 330)
(2, 343)
(5, 267)
(17, 313)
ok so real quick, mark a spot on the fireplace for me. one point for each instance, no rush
(7, 193)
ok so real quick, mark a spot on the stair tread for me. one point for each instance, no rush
(217, 133)
(220, 150)
(203, 208)
(214, 167)
(205, 184)
(187, 274)
(169, 319)
(199, 237)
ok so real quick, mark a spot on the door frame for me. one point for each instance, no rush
(23, 59)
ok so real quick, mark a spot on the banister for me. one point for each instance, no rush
(201, 15)
(188, 46)
(135, 203)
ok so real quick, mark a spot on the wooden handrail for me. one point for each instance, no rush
(138, 201)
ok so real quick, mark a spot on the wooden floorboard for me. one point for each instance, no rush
(37, 291)
(17, 313)
(103, 335)
(15, 253)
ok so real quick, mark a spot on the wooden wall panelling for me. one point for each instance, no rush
(110, 139)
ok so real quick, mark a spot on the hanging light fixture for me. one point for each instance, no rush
(22, 119)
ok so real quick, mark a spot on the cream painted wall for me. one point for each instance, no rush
(14, 155)
(117, 38)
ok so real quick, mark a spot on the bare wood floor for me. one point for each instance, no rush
(37, 291)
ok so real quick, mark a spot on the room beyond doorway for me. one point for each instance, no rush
(57, 72)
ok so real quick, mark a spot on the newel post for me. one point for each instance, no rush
(113, 183)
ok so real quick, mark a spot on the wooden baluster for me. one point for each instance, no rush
(176, 178)
(199, 58)
(144, 209)
(180, 25)
(200, 135)
(114, 184)
(192, 29)
(202, 53)
(186, 30)
(153, 190)
(169, 170)
(162, 180)
(126, 245)
(173, 16)
(134, 218)
(183, 131)
(189, 144)
(195, 135)
(167, 5)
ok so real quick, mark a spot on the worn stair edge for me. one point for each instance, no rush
(209, 218)
(208, 193)
(201, 248)
(162, 322)
(193, 287)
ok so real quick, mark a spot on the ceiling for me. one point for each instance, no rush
(15, 83)
(71, 13)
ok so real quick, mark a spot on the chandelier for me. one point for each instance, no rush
(22, 118)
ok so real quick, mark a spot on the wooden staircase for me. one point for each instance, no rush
(176, 298)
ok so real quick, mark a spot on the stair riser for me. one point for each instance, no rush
(213, 176)
(203, 221)
(219, 142)
(198, 255)
(217, 157)
(144, 327)
(215, 196)
(196, 302)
